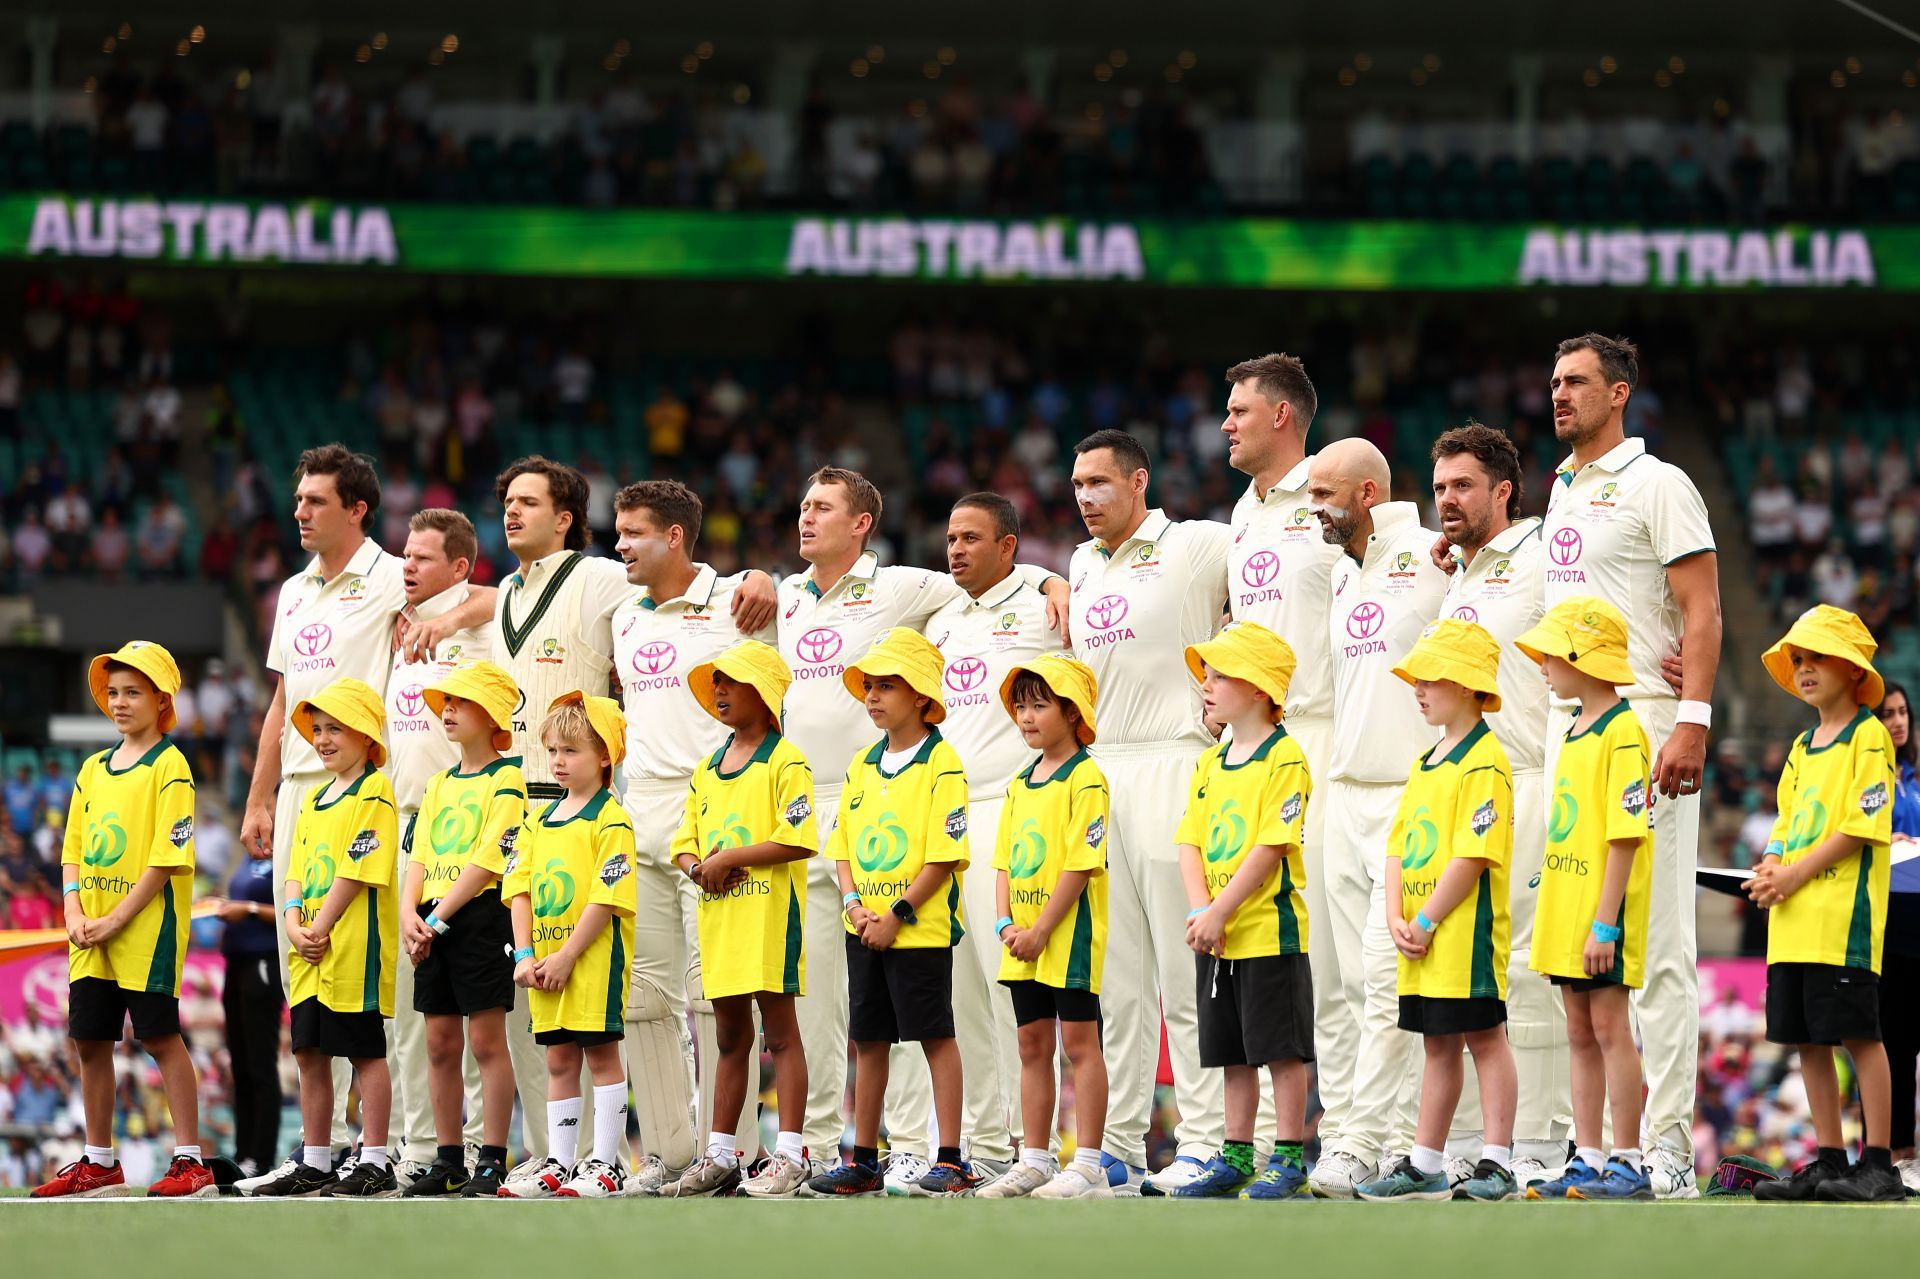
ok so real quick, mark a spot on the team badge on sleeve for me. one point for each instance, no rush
(1634, 798)
(1483, 818)
(1872, 799)
(363, 843)
(182, 833)
(957, 823)
(798, 811)
(1290, 811)
(615, 869)
(1096, 832)
(510, 847)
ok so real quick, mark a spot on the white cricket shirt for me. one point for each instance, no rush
(1501, 590)
(329, 629)
(1279, 574)
(417, 745)
(981, 640)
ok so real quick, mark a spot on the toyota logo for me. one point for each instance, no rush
(1365, 619)
(1107, 611)
(651, 659)
(965, 674)
(312, 640)
(1467, 613)
(1565, 546)
(1261, 567)
(411, 701)
(821, 644)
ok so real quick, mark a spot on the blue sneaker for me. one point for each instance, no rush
(1124, 1179)
(1578, 1175)
(1618, 1180)
(1490, 1183)
(1218, 1179)
(1408, 1183)
(1183, 1171)
(1279, 1180)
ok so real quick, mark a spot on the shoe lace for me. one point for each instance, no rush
(180, 1164)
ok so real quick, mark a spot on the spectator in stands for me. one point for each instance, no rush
(22, 798)
(1900, 962)
(147, 131)
(1813, 517)
(56, 787)
(33, 905)
(666, 420)
(110, 548)
(10, 381)
(573, 375)
(219, 550)
(1835, 579)
(162, 531)
(69, 520)
(1770, 515)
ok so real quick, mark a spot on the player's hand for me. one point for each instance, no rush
(754, 602)
(1408, 939)
(414, 931)
(77, 924)
(1598, 956)
(554, 970)
(108, 926)
(1682, 761)
(859, 917)
(416, 638)
(1027, 943)
(1207, 933)
(313, 946)
(880, 931)
(524, 976)
(1671, 667)
(1442, 553)
(256, 832)
(1059, 598)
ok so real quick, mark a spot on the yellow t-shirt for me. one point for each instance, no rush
(1460, 805)
(120, 825)
(751, 935)
(1844, 787)
(1233, 809)
(563, 867)
(468, 818)
(1603, 792)
(355, 835)
(1047, 829)
(891, 827)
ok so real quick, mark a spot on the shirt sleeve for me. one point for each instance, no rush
(921, 592)
(768, 634)
(1283, 806)
(518, 880)
(1783, 794)
(687, 838)
(606, 590)
(1628, 796)
(947, 812)
(172, 846)
(374, 846)
(1003, 835)
(1868, 812)
(1193, 822)
(836, 849)
(1086, 826)
(1212, 541)
(1483, 816)
(72, 842)
(1677, 517)
(793, 823)
(1397, 833)
(613, 851)
(276, 643)
(506, 811)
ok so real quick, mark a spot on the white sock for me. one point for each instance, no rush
(1427, 1162)
(721, 1150)
(191, 1152)
(375, 1155)
(320, 1157)
(563, 1129)
(103, 1156)
(609, 1121)
(1590, 1155)
(788, 1146)
(1630, 1156)
(1036, 1157)
(1502, 1155)
(1088, 1162)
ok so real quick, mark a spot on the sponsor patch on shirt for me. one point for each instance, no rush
(957, 823)
(798, 811)
(1872, 799)
(1634, 798)
(182, 833)
(1096, 832)
(615, 869)
(1483, 818)
(363, 843)
(510, 846)
(1290, 811)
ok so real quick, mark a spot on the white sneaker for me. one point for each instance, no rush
(1531, 1172)
(1016, 1182)
(248, 1185)
(1124, 1179)
(594, 1179)
(1909, 1170)
(541, 1181)
(1183, 1171)
(1073, 1183)
(646, 1179)
(904, 1173)
(1459, 1173)
(408, 1171)
(779, 1178)
(1671, 1172)
(1336, 1175)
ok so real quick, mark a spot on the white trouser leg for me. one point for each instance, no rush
(286, 813)
(529, 1076)
(1667, 1008)
(413, 1137)
(1335, 1037)
(657, 1051)
(1129, 1000)
(982, 1008)
(822, 1011)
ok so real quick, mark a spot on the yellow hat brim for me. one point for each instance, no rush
(1425, 664)
(1061, 681)
(1546, 640)
(741, 669)
(350, 711)
(1814, 639)
(150, 660)
(609, 724)
(920, 678)
(488, 696)
(1236, 663)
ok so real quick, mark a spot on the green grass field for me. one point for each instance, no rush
(916, 1239)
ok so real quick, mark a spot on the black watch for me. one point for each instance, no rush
(903, 911)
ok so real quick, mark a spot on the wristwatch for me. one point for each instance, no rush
(903, 911)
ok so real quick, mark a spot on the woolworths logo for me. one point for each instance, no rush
(1698, 259)
(212, 231)
(939, 249)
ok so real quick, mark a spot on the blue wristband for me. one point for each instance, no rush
(849, 901)
(439, 925)
(1001, 924)
(1607, 933)
(70, 888)
(1774, 849)
(1196, 912)
(1424, 924)
(525, 952)
(292, 905)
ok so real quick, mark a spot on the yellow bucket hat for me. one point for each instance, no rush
(353, 704)
(1589, 633)
(1464, 652)
(1070, 679)
(606, 717)
(1248, 651)
(487, 686)
(1833, 632)
(907, 653)
(151, 660)
(759, 666)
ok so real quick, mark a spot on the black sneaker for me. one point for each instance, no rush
(298, 1182)
(1863, 1183)
(1802, 1187)
(440, 1180)
(488, 1176)
(847, 1181)
(366, 1181)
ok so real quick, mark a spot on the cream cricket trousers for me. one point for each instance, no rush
(982, 1008)
(287, 803)
(1336, 1036)
(659, 1054)
(1149, 968)
(1667, 1009)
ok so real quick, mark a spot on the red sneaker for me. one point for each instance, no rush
(85, 1179)
(187, 1178)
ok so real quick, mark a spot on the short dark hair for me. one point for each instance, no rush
(457, 537)
(1619, 358)
(1493, 450)
(121, 668)
(1006, 520)
(862, 495)
(669, 502)
(1280, 376)
(1028, 685)
(355, 477)
(1129, 452)
(566, 486)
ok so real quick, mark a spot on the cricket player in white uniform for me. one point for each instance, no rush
(681, 617)
(829, 616)
(1280, 574)
(1386, 589)
(1632, 530)
(440, 550)
(1145, 587)
(334, 619)
(999, 621)
(1498, 582)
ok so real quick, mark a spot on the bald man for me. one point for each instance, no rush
(1385, 590)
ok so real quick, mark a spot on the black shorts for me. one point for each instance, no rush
(469, 969)
(99, 1009)
(585, 1038)
(1037, 1001)
(1585, 985)
(1423, 1015)
(1821, 1004)
(899, 996)
(1253, 1011)
(356, 1036)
